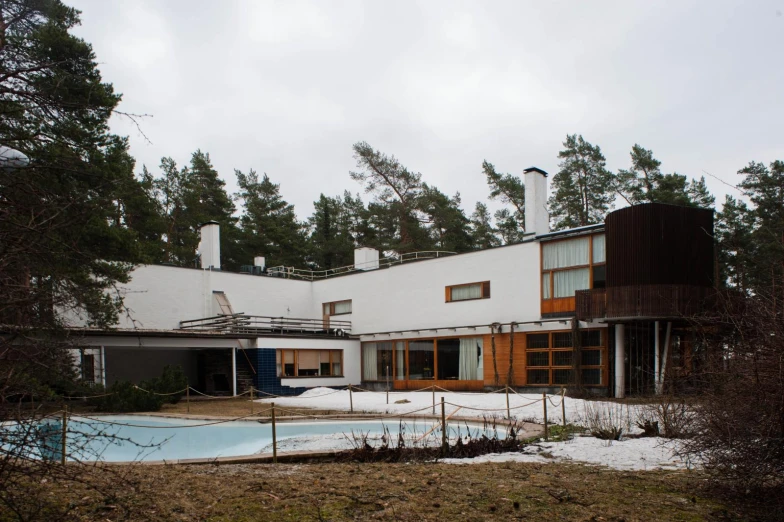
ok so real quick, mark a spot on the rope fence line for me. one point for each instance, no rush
(213, 423)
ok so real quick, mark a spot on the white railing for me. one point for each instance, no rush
(290, 272)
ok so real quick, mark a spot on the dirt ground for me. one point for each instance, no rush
(394, 492)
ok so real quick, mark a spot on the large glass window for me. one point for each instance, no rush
(570, 265)
(550, 357)
(377, 363)
(337, 307)
(309, 363)
(421, 359)
(400, 360)
(448, 358)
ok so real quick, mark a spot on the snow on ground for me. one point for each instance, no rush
(524, 407)
(630, 454)
(635, 453)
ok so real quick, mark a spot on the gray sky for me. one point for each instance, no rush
(287, 87)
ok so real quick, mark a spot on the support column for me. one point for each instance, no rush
(103, 366)
(620, 374)
(234, 371)
(656, 359)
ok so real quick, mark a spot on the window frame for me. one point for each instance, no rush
(551, 367)
(485, 291)
(403, 344)
(281, 353)
(332, 304)
(562, 305)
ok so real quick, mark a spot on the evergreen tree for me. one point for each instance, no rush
(396, 191)
(645, 183)
(763, 259)
(733, 230)
(205, 199)
(510, 190)
(483, 235)
(331, 241)
(447, 224)
(269, 226)
(582, 188)
(180, 238)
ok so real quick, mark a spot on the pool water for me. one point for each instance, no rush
(123, 438)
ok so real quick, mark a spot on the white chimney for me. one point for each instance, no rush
(209, 246)
(259, 261)
(365, 258)
(537, 219)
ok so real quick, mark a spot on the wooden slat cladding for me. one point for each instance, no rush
(564, 305)
(657, 244)
(502, 358)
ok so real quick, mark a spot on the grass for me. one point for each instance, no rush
(347, 491)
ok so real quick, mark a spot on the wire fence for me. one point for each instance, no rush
(274, 411)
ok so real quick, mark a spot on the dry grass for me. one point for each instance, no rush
(331, 491)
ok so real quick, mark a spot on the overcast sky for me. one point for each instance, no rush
(287, 87)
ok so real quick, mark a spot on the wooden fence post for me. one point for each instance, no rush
(563, 407)
(251, 399)
(433, 389)
(444, 443)
(351, 398)
(274, 438)
(544, 405)
(64, 451)
(508, 415)
(188, 397)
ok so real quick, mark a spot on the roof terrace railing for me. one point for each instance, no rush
(242, 324)
(290, 272)
(643, 301)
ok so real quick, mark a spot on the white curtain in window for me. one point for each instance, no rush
(469, 358)
(343, 307)
(567, 281)
(400, 366)
(598, 249)
(562, 254)
(370, 361)
(546, 294)
(467, 292)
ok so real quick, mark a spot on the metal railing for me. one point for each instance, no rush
(290, 272)
(259, 324)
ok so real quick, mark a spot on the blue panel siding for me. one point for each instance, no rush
(266, 378)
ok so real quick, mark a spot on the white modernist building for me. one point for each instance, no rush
(531, 314)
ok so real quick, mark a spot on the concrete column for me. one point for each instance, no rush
(234, 371)
(620, 375)
(103, 366)
(656, 354)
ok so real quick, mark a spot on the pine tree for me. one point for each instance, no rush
(734, 226)
(582, 188)
(510, 190)
(331, 241)
(205, 199)
(645, 183)
(269, 226)
(396, 191)
(483, 235)
(180, 238)
(446, 223)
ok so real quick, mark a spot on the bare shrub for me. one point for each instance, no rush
(668, 417)
(738, 426)
(607, 421)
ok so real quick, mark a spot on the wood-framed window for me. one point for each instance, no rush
(442, 359)
(569, 265)
(309, 363)
(337, 307)
(468, 292)
(88, 367)
(549, 358)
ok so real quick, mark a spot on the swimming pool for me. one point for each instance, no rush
(124, 438)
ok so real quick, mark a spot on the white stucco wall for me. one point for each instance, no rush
(411, 296)
(159, 297)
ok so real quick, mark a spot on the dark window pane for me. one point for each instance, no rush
(599, 276)
(591, 338)
(288, 370)
(538, 376)
(448, 358)
(592, 376)
(384, 361)
(562, 340)
(562, 358)
(538, 359)
(562, 376)
(591, 357)
(421, 359)
(538, 340)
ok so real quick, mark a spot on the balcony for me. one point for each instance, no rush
(259, 325)
(642, 302)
